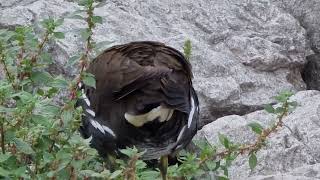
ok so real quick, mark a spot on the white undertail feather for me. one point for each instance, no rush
(181, 133)
(160, 112)
(102, 128)
(92, 113)
(93, 123)
(108, 130)
(86, 99)
(191, 112)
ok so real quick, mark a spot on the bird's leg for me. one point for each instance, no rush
(163, 167)
(111, 162)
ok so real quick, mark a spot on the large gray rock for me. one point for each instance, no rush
(308, 15)
(244, 52)
(291, 153)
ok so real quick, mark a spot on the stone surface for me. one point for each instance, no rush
(244, 52)
(291, 153)
(308, 15)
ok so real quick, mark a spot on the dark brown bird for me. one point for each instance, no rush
(143, 98)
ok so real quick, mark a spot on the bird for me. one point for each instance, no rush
(143, 98)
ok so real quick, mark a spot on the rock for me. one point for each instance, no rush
(291, 153)
(244, 52)
(311, 72)
(308, 15)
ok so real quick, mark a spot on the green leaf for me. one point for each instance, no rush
(20, 172)
(282, 97)
(293, 103)
(4, 157)
(101, 4)
(46, 108)
(148, 174)
(76, 16)
(115, 174)
(73, 60)
(269, 108)
(279, 110)
(59, 82)
(25, 97)
(22, 146)
(41, 120)
(40, 77)
(224, 140)
(59, 35)
(92, 173)
(256, 127)
(4, 173)
(59, 22)
(130, 152)
(89, 80)
(83, 2)
(67, 116)
(10, 135)
(47, 158)
(97, 19)
(211, 165)
(225, 170)
(222, 178)
(6, 110)
(46, 58)
(85, 33)
(187, 49)
(252, 161)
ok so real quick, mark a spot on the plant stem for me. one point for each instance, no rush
(2, 138)
(84, 60)
(249, 148)
(40, 47)
(6, 70)
(130, 171)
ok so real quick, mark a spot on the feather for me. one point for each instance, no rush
(143, 98)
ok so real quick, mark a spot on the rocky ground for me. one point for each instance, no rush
(244, 53)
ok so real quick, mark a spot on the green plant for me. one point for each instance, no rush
(187, 49)
(39, 138)
(210, 159)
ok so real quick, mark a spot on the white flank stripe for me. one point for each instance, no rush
(100, 127)
(92, 113)
(181, 132)
(93, 123)
(178, 147)
(86, 99)
(97, 125)
(109, 130)
(191, 113)
(80, 85)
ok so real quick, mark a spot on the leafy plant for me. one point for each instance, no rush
(187, 49)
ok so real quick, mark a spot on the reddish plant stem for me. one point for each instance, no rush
(2, 138)
(254, 147)
(6, 70)
(40, 47)
(84, 60)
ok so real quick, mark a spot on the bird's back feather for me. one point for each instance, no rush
(143, 97)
